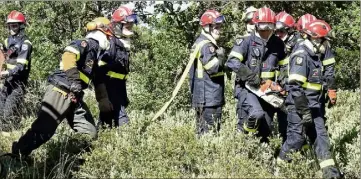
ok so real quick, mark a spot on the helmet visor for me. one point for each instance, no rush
(132, 19)
(13, 25)
(220, 19)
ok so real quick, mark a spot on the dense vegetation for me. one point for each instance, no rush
(169, 147)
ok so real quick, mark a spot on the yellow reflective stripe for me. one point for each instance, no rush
(329, 61)
(196, 51)
(196, 54)
(211, 63)
(267, 74)
(248, 129)
(313, 86)
(199, 69)
(27, 41)
(297, 77)
(60, 91)
(22, 61)
(113, 74)
(101, 63)
(326, 163)
(73, 50)
(10, 66)
(83, 77)
(237, 55)
(6, 42)
(284, 61)
(218, 74)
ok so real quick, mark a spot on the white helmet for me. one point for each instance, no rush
(248, 15)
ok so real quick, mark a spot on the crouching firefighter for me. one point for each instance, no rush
(63, 96)
(305, 115)
(254, 59)
(110, 88)
(17, 49)
(207, 75)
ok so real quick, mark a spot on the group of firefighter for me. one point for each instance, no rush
(291, 59)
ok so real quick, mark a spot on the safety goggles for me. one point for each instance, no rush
(266, 26)
(133, 18)
(220, 19)
(280, 25)
(13, 25)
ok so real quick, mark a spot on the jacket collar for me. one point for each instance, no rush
(209, 37)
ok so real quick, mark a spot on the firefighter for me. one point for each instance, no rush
(111, 92)
(305, 113)
(247, 19)
(254, 59)
(17, 49)
(285, 30)
(64, 94)
(207, 75)
(328, 61)
(302, 21)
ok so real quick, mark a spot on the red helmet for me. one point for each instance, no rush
(284, 21)
(124, 15)
(264, 15)
(16, 17)
(303, 20)
(211, 17)
(318, 29)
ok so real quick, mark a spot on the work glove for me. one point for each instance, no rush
(254, 80)
(75, 92)
(307, 118)
(332, 95)
(4, 74)
(301, 104)
(105, 105)
(75, 88)
(221, 55)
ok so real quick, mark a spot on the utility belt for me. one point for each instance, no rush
(62, 85)
(113, 74)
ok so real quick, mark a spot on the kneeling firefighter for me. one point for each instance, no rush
(63, 96)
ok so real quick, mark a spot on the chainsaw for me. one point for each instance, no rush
(270, 96)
